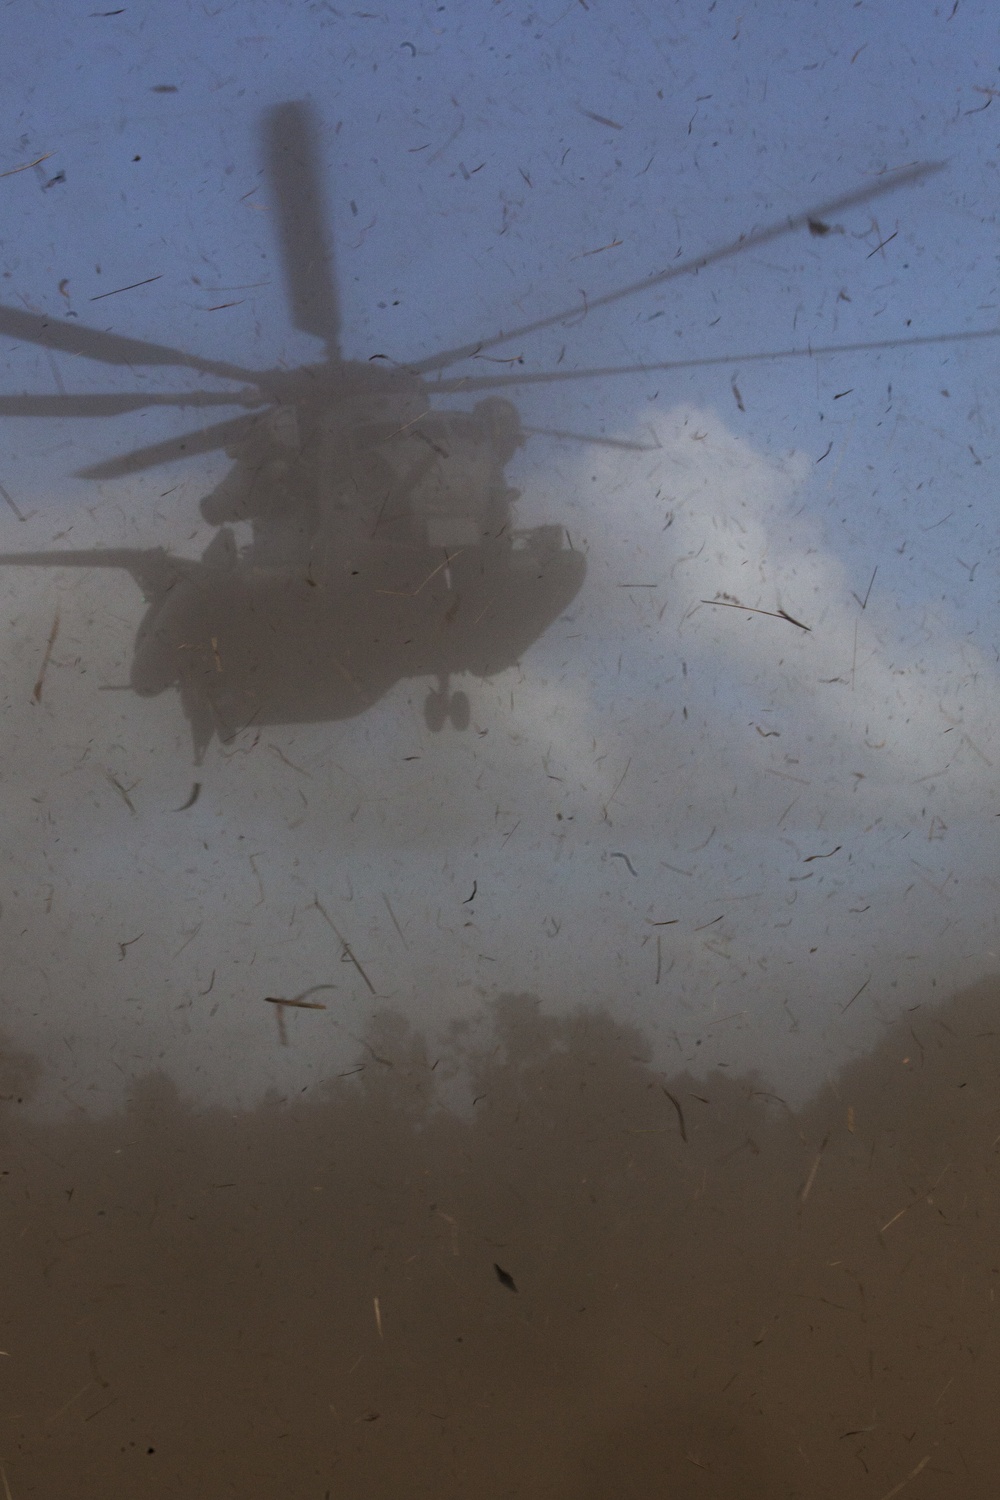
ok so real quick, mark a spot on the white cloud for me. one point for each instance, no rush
(581, 805)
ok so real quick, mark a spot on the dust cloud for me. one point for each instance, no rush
(535, 1289)
(499, 707)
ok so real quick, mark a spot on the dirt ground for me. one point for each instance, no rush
(596, 1280)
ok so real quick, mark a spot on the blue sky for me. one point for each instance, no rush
(487, 165)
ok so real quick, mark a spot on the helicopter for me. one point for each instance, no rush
(383, 543)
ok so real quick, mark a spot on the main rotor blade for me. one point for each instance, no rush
(472, 383)
(291, 138)
(587, 437)
(208, 440)
(886, 184)
(112, 406)
(108, 348)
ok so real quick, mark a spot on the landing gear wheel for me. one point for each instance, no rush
(435, 711)
(459, 711)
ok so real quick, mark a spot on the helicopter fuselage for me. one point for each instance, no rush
(252, 645)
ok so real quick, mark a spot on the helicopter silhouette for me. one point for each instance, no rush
(383, 545)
